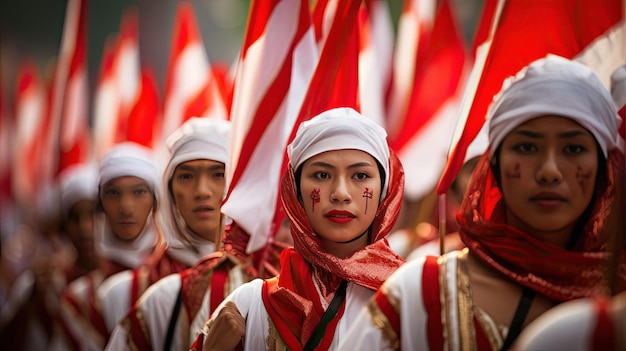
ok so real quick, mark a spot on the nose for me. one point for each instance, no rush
(340, 192)
(85, 224)
(203, 188)
(549, 171)
(126, 205)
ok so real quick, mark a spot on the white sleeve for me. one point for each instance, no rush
(114, 297)
(568, 326)
(403, 287)
(155, 306)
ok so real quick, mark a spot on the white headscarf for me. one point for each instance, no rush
(127, 159)
(554, 86)
(79, 182)
(338, 129)
(199, 138)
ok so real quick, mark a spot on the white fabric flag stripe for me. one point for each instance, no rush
(415, 21)
(106, 105)
(280, 47)
(376, 46)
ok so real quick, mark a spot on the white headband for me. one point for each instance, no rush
(129, 159)
(555, 86)
(338, 129)
(79, 182)
(198, 138)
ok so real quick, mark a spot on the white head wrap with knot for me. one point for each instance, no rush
(554, 86)
(338, 129)
(134, 160)
(199, 138)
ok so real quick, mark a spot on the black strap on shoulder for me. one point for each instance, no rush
(329, 314)
(518, 319)
(169, 337)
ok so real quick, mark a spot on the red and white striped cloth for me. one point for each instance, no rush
(190, 89)
(30, 114)
(119, 86)
(276, 64)
(69, 105)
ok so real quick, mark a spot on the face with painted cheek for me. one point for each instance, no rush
(127, 202)
(340, 191)
(548, 169)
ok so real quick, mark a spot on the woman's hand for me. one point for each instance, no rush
(226, 330)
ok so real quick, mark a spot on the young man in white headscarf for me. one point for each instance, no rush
(126, 236)
(195, 182)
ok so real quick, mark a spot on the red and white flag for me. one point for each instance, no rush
(587, 30)
(190, 89)
(375, 58)
(422, 131)
(28, 149)
(276, 63)
(69, 105)
(119, 86)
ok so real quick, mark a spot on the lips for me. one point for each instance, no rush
(204, 210)
(548, 199)
(340, 216)
(126, 223)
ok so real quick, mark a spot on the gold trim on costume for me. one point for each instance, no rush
(467, 332)
(273, 340)
(444, 300)
(380, 321)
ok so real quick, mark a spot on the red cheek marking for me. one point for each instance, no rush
(583, 177)
(367, 194)
(315, 197)
(515, 173)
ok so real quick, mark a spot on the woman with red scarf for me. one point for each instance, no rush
(533, 219)
(342, 193)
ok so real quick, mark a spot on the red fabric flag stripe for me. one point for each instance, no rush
(143, 120)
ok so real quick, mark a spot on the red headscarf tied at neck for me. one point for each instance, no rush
(550, 86)
(292, 300)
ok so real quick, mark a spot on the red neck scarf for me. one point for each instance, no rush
(292, 300)
(558, 273)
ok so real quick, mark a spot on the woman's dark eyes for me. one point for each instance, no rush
(321, 175)
(525, 147)
(574, 149)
